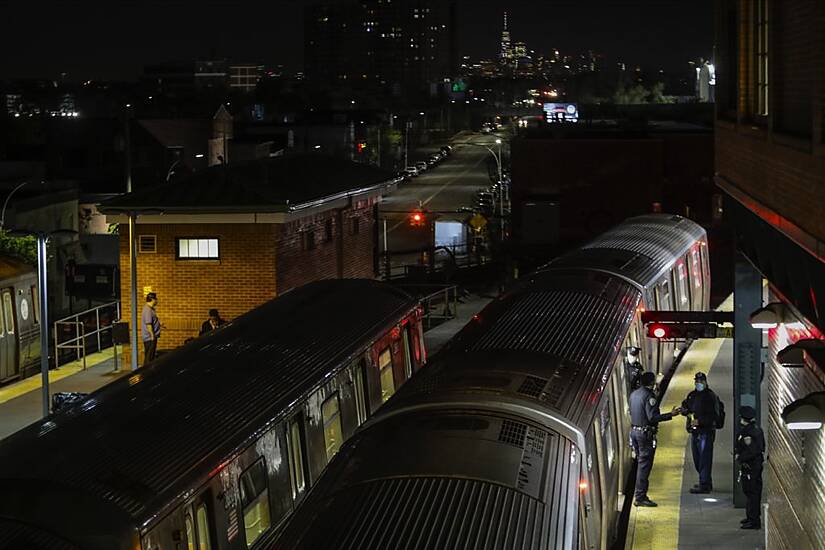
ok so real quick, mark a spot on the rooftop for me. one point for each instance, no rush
(276, 184)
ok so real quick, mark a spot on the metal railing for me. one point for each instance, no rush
(86, 332)
(440, 302)
(421, 261)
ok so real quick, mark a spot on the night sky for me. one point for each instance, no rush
(114, 39)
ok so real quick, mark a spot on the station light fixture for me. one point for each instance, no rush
(794, 354)
(770, 316)
(807, 413)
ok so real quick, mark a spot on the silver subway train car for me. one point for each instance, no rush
(213, 445)
(515, 436)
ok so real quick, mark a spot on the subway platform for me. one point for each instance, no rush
(21, 403)
(682, 520)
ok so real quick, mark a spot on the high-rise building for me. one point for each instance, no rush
(244, 77)
(506, 52)
(401, 47)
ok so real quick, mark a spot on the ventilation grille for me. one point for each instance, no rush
(513, 433)
(147, 244)
(532, 386)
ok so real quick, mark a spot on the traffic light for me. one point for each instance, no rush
(681, 330)
(362, 145)
(417, 219)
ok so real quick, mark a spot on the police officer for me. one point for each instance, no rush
(634, 367)
(704, 411)
(750, 447)
(645, 418)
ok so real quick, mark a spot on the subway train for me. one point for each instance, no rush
(19, 320)
(515, 436)
(212, 446)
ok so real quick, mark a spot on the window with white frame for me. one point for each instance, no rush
(197, 248)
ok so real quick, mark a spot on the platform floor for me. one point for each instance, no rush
(21, 403)
(682, 520)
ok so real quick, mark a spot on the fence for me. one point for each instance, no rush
(439, 301)
(86, 332)
(420, 262)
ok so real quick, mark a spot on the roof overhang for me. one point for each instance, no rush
(282, 213)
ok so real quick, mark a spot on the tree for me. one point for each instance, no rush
(24, 248)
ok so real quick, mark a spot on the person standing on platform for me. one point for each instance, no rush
(645, 417)
(150, 328)
(705, 414)
(749, 453)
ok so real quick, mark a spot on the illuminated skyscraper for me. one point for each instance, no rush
(506, 53)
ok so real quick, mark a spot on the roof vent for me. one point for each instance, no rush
(513, 433)
(147, 244)
(532, 386)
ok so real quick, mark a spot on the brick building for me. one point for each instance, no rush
(770, 162)
(234, 237)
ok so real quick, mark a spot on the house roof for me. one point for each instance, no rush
(276, 184)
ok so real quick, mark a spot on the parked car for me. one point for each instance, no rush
(410, 171)
(435, 159)
(447, 150)
(421, 165)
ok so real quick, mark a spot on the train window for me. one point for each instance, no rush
(360, 396)
(9, 312)
(683, 284)
(190, 532)
(296, 457)
(333, 433)
(607, 432)
(387, 378)
(202, 523)
(664, 300)
(407, 357)
(696, 266)
(255, 501)
(35, 305)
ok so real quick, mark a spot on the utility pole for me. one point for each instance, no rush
(42, 282)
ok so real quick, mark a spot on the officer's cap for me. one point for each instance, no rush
(746, 412)
(648, 378)
(700, 376)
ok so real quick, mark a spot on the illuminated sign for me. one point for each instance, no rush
(561, 112)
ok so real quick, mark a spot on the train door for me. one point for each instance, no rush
(696, 277)
(197, 525)
(8, 356)
(591, 492)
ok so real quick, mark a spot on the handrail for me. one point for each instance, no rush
(78, 343)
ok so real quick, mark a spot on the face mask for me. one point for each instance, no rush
(700, 386)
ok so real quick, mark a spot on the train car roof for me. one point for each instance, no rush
(639, 248)
(552, 339)
(140, 441)
(19, 536)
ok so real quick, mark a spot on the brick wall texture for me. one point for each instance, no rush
(257, 262)
(779, 160)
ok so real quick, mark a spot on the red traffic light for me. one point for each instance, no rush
(417, 219)
(657, 331)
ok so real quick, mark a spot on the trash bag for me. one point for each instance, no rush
(63, 400)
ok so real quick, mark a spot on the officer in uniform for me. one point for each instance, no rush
(634, 367)
(645, 417)
(704, 411)
(750, 447)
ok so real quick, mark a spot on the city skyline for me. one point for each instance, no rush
(98, 43)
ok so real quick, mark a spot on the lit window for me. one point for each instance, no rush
(197, 249)
(190, 532)
(387, 379)
(35, 305)
(360, 397)
(204, 543)
(762, 57)
(296, 458)
(683, 286)
(255, 502)
(697, 267)
(333, 434)
(9, 310)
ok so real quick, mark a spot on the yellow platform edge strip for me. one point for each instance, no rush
(658, 528)
(35, 382)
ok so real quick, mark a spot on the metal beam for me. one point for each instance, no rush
(747, 350)
(688, 317)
